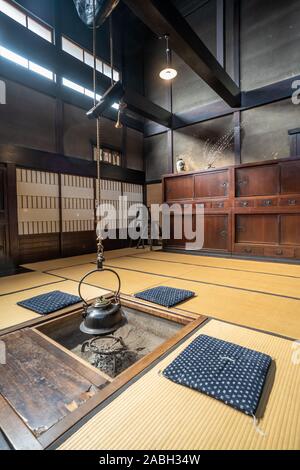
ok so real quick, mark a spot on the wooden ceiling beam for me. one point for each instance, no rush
(163, 18)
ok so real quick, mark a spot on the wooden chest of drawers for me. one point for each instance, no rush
(250, 210)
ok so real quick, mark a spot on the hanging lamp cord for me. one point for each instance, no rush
(100, 248)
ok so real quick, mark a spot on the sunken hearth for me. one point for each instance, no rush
(114, 353)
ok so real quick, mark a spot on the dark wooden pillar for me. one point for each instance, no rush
(12, 209)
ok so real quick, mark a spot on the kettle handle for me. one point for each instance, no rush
(117, 293)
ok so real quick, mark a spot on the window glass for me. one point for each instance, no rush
(13, 12)
(72, 49)
(107, 70)
(16, 58)
(73, 86)
(39, 29)
(41, 70)
(88, 59)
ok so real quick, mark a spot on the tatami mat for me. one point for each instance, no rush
(60, 263)
(226, 289)
(20, 282)
(81, 259)
(131, 282)
(156, 414)
(225, 263)
(149, 266)
(11, 314)
(274, 284)
(278, 315)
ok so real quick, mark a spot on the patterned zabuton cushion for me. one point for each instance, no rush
(165, 296)
(51, 302)
(222, 370)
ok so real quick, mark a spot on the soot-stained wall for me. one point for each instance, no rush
(208, 144)
(264, 133)
(270, 35)
(269, 53)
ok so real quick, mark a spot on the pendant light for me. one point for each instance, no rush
(168, 73)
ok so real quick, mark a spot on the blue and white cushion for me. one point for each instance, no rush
(50, 302)
(165, 296)
(222, 370)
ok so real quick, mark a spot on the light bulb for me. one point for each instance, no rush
(168, 74)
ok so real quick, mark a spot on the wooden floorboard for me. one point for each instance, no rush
(41, 383)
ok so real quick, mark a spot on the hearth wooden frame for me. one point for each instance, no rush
(18, 434)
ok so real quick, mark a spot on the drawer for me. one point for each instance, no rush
(279, 252)
(220, 204)
(266, 202)
(244, 203)
(289, 201)
(297, 253)
(249, 250)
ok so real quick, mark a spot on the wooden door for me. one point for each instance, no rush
(178, 240)
(216, 231)
(257, 181)
(214, 184)
(290, 178)
(257, 228)
(290, 229)
(179, 187)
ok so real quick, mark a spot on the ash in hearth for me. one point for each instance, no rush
(112, 354)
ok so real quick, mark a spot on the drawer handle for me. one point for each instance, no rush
(279, 252)
(292, 202)
(248, 250)
(244, 203)
(220, 205)
(267, 202)
(223, 234)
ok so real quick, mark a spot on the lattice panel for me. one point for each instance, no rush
(38, 202)
(78, 206)
(134, 194)
(110, 194)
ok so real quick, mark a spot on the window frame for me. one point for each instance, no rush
(32, 17)
(100, 63)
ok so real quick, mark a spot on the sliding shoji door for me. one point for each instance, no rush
(38, 214)
(110, 194)
(56, 213)
(78, 214)
(78, 207)
(38, 202)
(134, 194)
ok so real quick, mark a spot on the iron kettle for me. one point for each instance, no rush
(104, 316)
